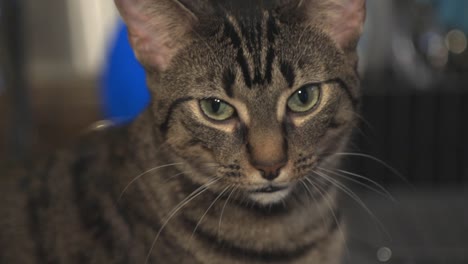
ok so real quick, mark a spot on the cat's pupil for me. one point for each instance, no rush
(303, 96)
(215, 105)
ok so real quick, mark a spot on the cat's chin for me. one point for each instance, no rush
(270, 197)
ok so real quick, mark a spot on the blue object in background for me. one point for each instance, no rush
(452, 13)
(124, 90)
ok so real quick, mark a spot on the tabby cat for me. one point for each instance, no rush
(251, 102)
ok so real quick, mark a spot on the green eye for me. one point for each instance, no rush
(216, 109)
(304, 99)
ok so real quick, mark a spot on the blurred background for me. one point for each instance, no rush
(66, 64)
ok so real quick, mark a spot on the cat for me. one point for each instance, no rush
(231, 161)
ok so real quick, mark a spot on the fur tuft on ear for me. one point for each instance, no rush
(342, 20)
(158, 29)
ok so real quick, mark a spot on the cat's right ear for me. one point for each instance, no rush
(342, 20)
(158, 29)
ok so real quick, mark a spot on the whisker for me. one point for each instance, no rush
(327, 197)
(143, 174)
(384, 192)
(174, 211)
(356, 198)
(224, 207)
(314, 200)
(381, 162)
(206, 212)
(188, 171)
(175, 175)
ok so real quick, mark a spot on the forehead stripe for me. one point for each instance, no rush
(230, 32)
(251, 32)
(272, 29)
(288, 73)
(269, 64)
(229, 78)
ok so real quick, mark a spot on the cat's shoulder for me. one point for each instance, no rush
(94, 148)
(46, 188)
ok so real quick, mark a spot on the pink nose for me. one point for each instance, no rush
(270, 171)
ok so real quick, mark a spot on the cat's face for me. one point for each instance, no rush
(258, 102)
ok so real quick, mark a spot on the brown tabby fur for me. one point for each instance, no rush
(110, 198)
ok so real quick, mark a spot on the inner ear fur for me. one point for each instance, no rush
(158, 29)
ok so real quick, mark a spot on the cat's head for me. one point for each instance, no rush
(256, 94)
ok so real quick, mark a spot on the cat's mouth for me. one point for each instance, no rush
(270, 194)
(270, 189)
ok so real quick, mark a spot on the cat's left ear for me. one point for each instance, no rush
(158, 29)
(342, 20)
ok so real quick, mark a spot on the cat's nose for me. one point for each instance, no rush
(270, 171)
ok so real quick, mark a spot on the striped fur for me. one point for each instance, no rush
(175, 187)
